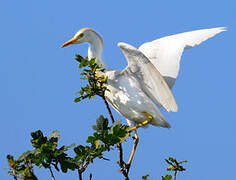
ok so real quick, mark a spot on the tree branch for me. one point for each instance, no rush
(28, 164)
(121, 162)
(80, 174)
(53, 177)
(109, 109)
(175, 175)
(82, 169)
(13, 174)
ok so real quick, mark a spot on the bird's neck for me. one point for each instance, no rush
(95, 50)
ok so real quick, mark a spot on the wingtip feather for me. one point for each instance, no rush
(223, 28)
(172, 108)
(123, 45)
(175, 108)
(220, 29)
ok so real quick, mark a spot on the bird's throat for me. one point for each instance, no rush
(95, 51)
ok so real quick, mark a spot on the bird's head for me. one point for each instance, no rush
(83, 35)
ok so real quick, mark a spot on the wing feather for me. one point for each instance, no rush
(151, 81)
(165, 53)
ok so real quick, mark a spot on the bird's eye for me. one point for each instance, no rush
(80, 36)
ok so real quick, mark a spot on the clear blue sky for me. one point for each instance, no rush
(39, 81)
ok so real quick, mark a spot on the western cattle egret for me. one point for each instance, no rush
(137, 91)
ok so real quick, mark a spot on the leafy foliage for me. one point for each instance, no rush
(20, 168)
(102, 140)
(47, 154)
(95, 76)
(174, 166)
(105, 136)
(167, 177)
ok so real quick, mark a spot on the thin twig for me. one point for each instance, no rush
(13, 173)
(175, 175)
(108, 108)
(122, 164)
(119, 146)
(15, 177)
(53, 177)
(80, 174)
(82, 169)
(28, 164)
(84, 166)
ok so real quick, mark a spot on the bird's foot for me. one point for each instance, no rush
(146, 122)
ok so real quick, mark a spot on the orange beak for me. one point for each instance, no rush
(72, 41)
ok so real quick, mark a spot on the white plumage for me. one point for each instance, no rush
(165, 53)
(144, 85)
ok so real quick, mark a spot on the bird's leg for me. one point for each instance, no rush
(149, 119)
(136, 140)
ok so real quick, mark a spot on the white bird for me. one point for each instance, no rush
(144, 85)
(137, 91)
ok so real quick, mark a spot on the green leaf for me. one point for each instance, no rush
(91, 139)
(170, 168)
(78, 58)
(167, 177)
(10, 157)
(172, 159)
(96, 81)
(92, 61)
(185, 161)
(175, 165)
(101, 124)
(79, 149)
(38, 139)
(77, 99)
(68, 163)
(121, 132)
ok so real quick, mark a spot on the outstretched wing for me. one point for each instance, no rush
(165, 53)
(150, 80)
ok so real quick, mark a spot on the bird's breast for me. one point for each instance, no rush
(126, 96)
